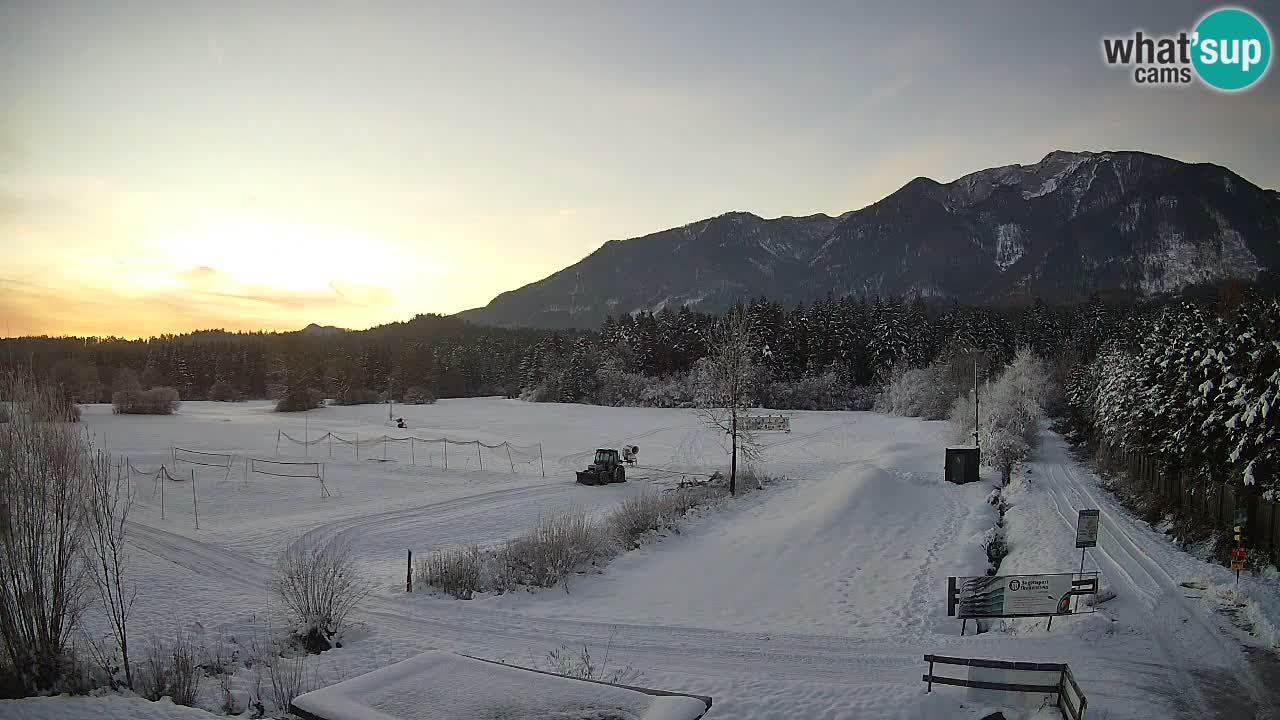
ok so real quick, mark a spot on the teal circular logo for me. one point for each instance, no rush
(1232, 49)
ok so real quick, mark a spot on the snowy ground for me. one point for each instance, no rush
(814, 599)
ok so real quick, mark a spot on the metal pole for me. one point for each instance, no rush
(1076, 605)
(446, 453)
(306, 435)
(480, 459)
(357, 446)
(384, 447)
(540, 462)
(277, 442)
(330, 446)
(408, 575)
(509, 460)
(413, 458)
(975, 398)
(160, 472)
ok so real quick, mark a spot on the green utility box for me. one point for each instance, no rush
(962, 464)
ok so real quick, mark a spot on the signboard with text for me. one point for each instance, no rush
(1087, 529)
(767, 423)
(1002, 596)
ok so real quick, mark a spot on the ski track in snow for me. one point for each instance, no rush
(815, 599)
(1209, 673)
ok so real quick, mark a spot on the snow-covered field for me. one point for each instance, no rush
(816, 598)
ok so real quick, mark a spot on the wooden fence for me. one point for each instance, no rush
(1206, 499)
(1067, 695)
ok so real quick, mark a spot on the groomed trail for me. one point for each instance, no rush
(816, 598)
(1212, 673)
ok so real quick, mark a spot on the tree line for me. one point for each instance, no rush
(1197, 389)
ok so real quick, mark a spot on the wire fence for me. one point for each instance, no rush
(289, 469)
(432, 451)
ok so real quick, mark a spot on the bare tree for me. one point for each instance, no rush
(110, 503)
(728, 388)
(46, 472)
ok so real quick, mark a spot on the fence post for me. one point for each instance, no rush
(413, 458)
(930, 688)
(330, 446)
(163, 475)
(509, 460)
(357, 446)
(540, 462)
(277, 442)
(195, 506)
(445, 442)
(478, 457)
(408, 575)
(384, 447)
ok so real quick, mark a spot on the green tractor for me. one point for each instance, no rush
(606, 468)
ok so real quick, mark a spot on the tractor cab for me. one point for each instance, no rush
(605, 468)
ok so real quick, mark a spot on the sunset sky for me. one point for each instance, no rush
(167, 166)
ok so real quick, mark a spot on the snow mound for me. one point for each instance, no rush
(108, 707)
(444, 686)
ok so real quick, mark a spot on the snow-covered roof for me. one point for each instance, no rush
(445, 686)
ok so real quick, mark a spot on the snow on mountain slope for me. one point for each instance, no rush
(1063, 228)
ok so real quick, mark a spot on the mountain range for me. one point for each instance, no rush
(1067, 227)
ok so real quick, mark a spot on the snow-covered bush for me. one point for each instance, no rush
(815, 392)
(641, 514)
(419, 395)
(919, 392)
(557, 546)
(357, 396)
(223, 391)
(319, 583)
(299, 399)
(156, 401)
(1009, 412)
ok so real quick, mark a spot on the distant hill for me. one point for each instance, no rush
(314, 329)
(1069, 226)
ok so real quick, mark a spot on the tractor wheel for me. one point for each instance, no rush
(619, 475)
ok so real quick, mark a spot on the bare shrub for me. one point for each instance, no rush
(290, 677)
(156, 401)
(636, 516)
(46, 472)
(170, 669)
(109, 504)
(558, 545)
(456, 571)
(579, 663)
(319, 583)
